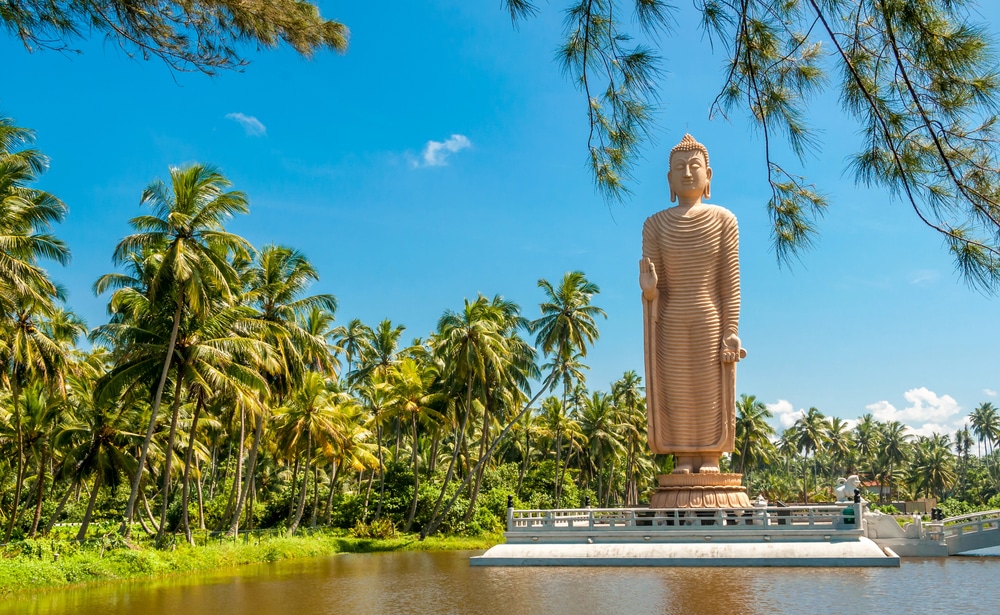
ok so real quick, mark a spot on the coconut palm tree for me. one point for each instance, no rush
(275, 286)
(381, 352)
(630, 404)
(567, 320)
(185, 235)
(101, 447)
(811, 436)
(893, 445)
(470, 343)
(27, 354)
(985, 423)
(26, 217)
(314, 417)
(375, 395)
(932, 469)
(838, 444)
(506, 386)
(578, 317)
(866, 440)
(753, 434)
(963, 447)
(415, 404)
(42, 417)
(600, 429)
(355, 341)
(354, 452)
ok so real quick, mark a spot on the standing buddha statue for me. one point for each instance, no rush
(690, 280)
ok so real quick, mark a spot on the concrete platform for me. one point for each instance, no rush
(850, 553)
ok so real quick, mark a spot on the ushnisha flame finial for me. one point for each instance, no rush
(687, 144)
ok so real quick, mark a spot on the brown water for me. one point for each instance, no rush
(445, 583)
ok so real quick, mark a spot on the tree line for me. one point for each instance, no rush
(803, 461)
(222, 395)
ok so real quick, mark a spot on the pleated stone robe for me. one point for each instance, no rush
(690, 408)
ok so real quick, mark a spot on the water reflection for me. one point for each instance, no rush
(445, 583)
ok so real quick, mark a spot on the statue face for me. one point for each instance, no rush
(689, 176)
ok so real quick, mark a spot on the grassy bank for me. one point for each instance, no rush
(43, 564)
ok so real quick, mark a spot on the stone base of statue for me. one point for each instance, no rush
(700, 490)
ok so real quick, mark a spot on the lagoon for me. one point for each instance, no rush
(443, 582)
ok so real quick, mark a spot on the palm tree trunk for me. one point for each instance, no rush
(232, 494)
(291, 498)
(234, 523)
(527, 457)
(237, 490)
(600, 480)
(399, 441)
(315, 507)
(451, 464)
(329, 497)
(250, 501)
(38, 500)
(19, 482)
(435, 441)
(805, 477)
(187, 470)
(213, 469)
(201, 499)
(302, 490)
(149, 515)
(416, 475)
(381, 470)
(555, 479)
(168, 454)
(562, 477)
(368, 493)
(558, 488)
(478, 481)
(157, 398)
(62, 504)
(82, 534)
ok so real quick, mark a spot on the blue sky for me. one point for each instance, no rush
(444, 155)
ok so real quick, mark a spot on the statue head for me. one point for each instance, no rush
(689, 174)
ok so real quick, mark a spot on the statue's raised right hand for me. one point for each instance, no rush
(648, 279)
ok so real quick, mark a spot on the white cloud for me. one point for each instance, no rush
(926, 412)
(252, 126)
(929, 429)
(925, 406)
(990, 392)
(923, 277)
(436, 153)
(785, 412)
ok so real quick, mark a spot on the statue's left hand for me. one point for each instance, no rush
(731, 350)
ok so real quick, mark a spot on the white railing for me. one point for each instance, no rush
(964, 524)
(830, 518)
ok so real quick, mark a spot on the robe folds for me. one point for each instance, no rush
(696, 256)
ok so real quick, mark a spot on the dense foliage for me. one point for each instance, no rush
(803, 462)
(205, 35)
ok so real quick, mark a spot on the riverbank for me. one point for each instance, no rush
(46, 564)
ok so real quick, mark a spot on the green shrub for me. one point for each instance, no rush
(380, 529)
